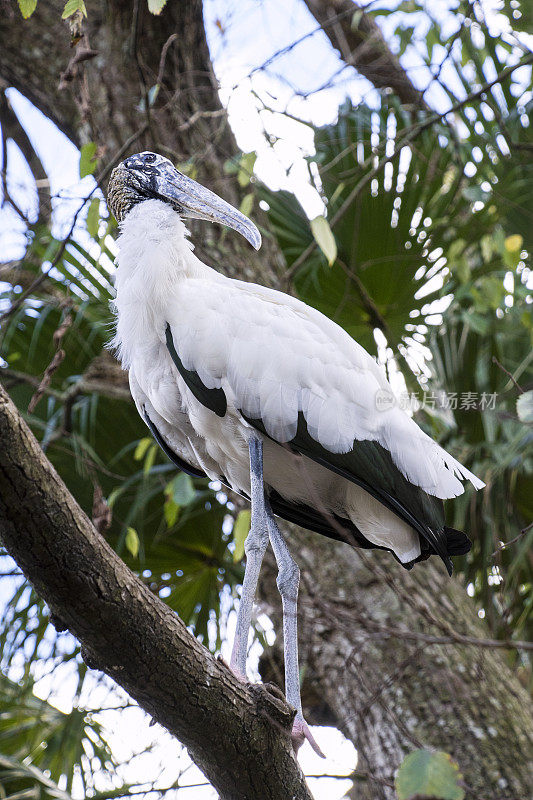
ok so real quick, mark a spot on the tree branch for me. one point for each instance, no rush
(236, 733)
(358, 38)
(13, 129)
(23, 66)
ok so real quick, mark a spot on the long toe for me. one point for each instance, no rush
(238, 674)
(301, 732)
(233, 669)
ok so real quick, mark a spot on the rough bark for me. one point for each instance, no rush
(358, 38)
(461, 699)
(366, 637)
(102, 99)
(238, 735)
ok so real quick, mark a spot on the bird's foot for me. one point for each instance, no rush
(300, 729)
(239, 673)
(301, 732)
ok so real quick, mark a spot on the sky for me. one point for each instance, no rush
(243, 35)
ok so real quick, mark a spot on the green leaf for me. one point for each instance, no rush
(115, 494)
(27, 722)
(156, 6)
(456, 250)
(132, 542)
(477, 322)
(246, 168)
(514, 243)
(487, 248)
(188, 168)
(87, 159)
(142, 447)
(356, 19)
(150, 459)
(324, 238)
(240, 532)
(181, 489)
(492, 291)
(71, 7)
(27, 7)
(405, 35)
(93, 217)
(524, 407)
(429, 774)
(247, 204)
(432, 38)
(231, 166)
(171, 511)
(512, 248)
(461, 269)
(35, 782)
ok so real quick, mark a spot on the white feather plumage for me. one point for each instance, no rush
(274, 357)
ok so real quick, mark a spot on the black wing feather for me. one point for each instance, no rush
(333, 526)
(370, 466)
(174, 457)
(213, 399)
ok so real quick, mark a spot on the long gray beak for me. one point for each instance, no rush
(161, 179)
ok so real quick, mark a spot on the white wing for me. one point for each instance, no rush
(275, 357)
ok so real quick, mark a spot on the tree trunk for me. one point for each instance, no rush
(389, 690)
(398, 661)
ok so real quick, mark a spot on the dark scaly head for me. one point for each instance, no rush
(149, 176)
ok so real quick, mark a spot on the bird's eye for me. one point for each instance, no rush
(150, 158)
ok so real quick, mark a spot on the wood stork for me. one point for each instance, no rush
(255, 389)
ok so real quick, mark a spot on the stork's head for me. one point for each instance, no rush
(149, 176)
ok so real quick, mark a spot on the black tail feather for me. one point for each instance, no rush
(457, 542)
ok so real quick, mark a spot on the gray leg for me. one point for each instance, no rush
(288, 581)
(254, 547)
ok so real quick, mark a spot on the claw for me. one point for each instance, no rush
(300, 732)
(239, 675)
(300, 729)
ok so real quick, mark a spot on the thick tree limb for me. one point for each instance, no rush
(237, 734)
(362, 46)
(13, 129)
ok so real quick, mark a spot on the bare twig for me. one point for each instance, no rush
(409, 135)
(13, 129)
(403, 633)
(172, 38)
(101, 513)
(32, 380)
(71, 72)
(505, 545)
(134, 49)
(517, 385)
(99, 181)
(87, 385)
(219, 112)
(358, 37)
(56, 361)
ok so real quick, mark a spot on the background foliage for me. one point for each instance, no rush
(429, 221)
